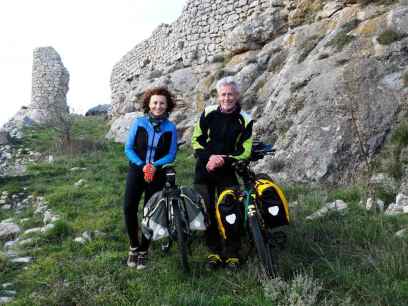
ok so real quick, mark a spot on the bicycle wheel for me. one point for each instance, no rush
(166, 245)
(262, 247)
(181, 236)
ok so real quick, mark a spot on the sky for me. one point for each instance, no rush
(89, 35)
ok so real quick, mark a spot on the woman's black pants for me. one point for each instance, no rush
(135, 187)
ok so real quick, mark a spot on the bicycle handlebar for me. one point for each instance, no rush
(259, 151)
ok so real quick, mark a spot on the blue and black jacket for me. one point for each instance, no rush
(146, 144)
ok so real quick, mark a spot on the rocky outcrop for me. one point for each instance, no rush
(49, 88)
(13, 160)
(4, 137)
(99, 110)
(120, 127)
(321, 78)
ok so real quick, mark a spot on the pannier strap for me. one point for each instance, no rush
(263, 184)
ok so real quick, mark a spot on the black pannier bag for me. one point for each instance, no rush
(272, 202)
(229, 212)
(155, 219)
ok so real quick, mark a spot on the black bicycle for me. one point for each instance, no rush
(177, 223)
(258, 230)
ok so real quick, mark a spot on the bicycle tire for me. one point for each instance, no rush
(262, 248)
(181, 237)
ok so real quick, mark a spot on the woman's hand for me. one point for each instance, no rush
(214, 162)
(149, 170)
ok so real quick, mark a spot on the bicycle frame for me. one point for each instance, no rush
(252, 217)
(179, 231)
(248, 194)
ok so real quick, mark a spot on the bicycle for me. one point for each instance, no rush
(172, 215)
(177, 224)
(256, 226)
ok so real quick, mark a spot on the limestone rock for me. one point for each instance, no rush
(102, 109)
(402, 233)
(4, 137)
(120, 127)
(385, 182)
(80, 183)
(8, 230)
(313, 74)
(256, 31)
(399, 207)
(337, 206)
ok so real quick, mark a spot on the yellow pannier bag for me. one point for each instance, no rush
(229, 212)
(272, 202)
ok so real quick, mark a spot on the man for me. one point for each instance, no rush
(222, 135)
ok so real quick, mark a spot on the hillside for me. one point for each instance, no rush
(69, 245)
(314, 74)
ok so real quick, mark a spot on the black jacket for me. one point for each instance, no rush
(223, 134)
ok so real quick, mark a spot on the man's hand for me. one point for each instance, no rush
(149, 170)
(214, 162)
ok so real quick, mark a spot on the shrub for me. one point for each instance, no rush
(302, 290)
(59, 232)
(400, 135)
(343, 38)
(388, 37)
(3, 261)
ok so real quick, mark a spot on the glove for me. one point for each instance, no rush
(149, 171)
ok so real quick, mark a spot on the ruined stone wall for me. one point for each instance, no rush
(49, 79)
(194, 38)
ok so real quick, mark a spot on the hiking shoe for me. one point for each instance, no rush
(213, 261)
(141, 261)
(232, 264)
(132, 258)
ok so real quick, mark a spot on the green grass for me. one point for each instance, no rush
(388, 37)
(343, 36)
(342, 259)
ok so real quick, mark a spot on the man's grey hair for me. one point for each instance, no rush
(229, 80)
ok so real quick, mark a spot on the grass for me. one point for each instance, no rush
(342, 259)
(343, 36)
(389, 160)
(388, 37)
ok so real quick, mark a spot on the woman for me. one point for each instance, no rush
(151, 144)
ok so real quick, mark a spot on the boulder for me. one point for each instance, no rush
(120, 127)
(99, 110)
(9, 231)
(256, 31)
(4, 137)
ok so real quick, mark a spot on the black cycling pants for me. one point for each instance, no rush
(215, 242)
(135, 187)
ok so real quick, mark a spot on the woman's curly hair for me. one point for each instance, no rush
(158, 91)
